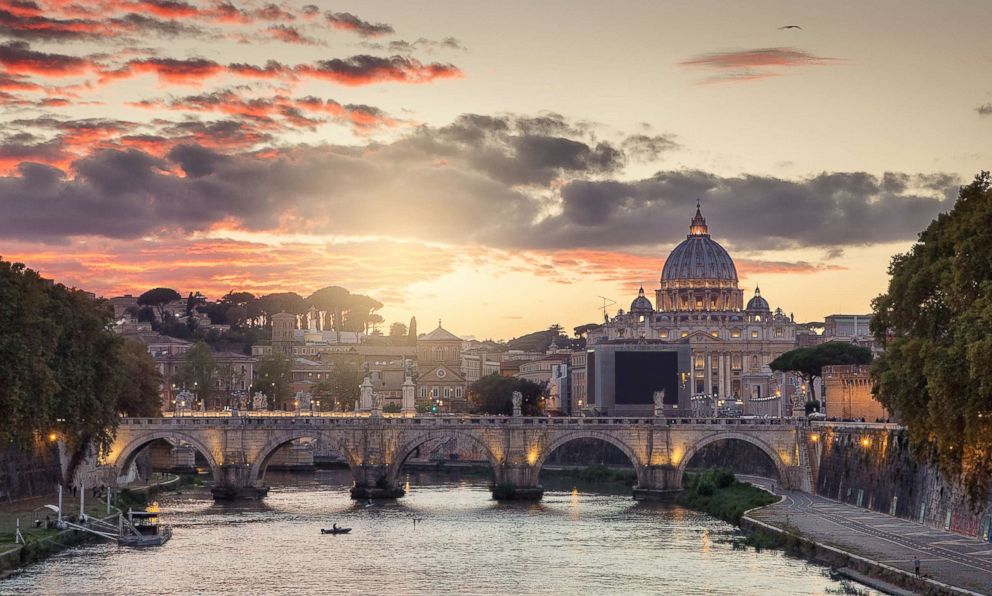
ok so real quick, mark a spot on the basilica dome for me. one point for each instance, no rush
(698, 257)
(699, 275)
(757, 302)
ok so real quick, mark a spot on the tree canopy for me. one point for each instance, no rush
(809, 362)
(158, 298)
(272, 377)
(62, 370)
(493, 394)
(934, 320)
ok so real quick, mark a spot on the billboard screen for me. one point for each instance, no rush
(639, 374)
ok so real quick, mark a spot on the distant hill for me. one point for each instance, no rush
(540, 341)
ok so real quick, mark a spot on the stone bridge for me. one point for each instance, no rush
(238, 448)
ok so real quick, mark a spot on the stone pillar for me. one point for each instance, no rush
(372, 481)
(409, 397)
(656, 482)
(233, 482)
(365, 395)
(517, 477)
(708, 379)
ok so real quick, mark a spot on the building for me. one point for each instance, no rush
(577, 383)
(539, 371)
(846, 327)
(847, 394)
(440, 379)
(699, 302)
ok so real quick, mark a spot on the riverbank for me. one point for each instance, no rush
(41, 542)
(874, 548)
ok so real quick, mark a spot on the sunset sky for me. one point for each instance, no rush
(498, 165)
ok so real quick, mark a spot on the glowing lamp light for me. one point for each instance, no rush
(52, 437)
(866, 442)
(814, 438)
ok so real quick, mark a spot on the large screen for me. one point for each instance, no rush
(640, 374)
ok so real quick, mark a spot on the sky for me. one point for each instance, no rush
(500, 166)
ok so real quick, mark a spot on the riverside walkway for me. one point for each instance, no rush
(945, 557)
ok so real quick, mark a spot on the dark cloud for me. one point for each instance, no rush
(984, 109)
(17, 58)
(401, 46)
(349, 22)
(539, 182)
(751, 212)
(364, 70)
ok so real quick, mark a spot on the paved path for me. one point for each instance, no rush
(946, 557)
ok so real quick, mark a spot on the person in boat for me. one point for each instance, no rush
(334, 527)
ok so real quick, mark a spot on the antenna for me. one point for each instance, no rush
(606, 302)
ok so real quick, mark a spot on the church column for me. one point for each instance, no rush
(707, 374)
(724, 380)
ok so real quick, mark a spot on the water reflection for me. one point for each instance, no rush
(573, 542)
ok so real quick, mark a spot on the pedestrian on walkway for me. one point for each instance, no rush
(916, 566)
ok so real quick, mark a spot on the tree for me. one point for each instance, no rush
(139, 381)
(412, 333)
(331, 300)
(809, 362)
(361, 312)
(582, 330)
(397, 330)
(61, 369)
(343, 382)
(935, 375)
(493, 394)
(272, 377)
(273, 304)
(192, 301)
(157, 298)
(198, 372)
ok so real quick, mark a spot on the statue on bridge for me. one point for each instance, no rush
(518, 400)
(659, 403)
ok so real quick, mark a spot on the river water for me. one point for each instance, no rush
(572, 542)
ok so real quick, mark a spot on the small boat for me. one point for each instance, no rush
(335, 530)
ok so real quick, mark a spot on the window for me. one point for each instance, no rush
(699, 302)
(641, 319)
(735, 362)
(434, 392)
(715, 333)
(700, 361)
(779, 332)
(458, 392)
(685, 334)
(447, 392)
(754, 334)
(663, 334)
(735, 332)
(754, 362)
(423, 392)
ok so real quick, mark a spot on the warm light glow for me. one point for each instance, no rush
(153, 508)
(52, 437)
(814, 438)
(866, 442)
(532, 454)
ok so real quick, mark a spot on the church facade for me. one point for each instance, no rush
(699, 302)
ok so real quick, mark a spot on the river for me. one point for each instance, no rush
(572, 542)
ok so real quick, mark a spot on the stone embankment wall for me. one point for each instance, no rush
(874, 469)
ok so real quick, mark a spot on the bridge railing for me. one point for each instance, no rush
(256, 420)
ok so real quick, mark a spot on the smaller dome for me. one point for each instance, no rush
(641, 305)
(757, 303)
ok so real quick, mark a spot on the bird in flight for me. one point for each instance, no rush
(791, 27)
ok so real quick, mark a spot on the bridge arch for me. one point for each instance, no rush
(261, 459)
(126, 456)
(767, 449)
(410, 445)
(566, 438)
